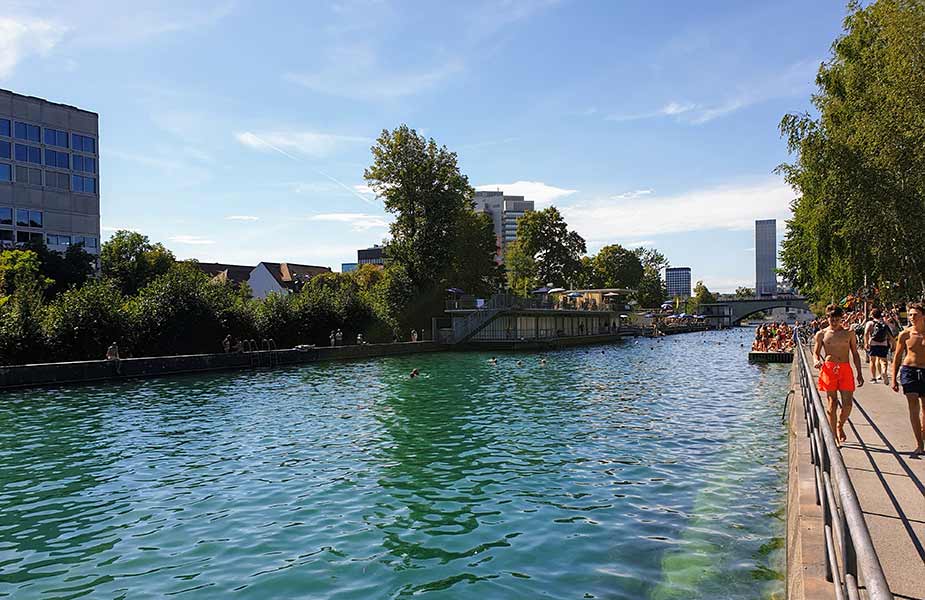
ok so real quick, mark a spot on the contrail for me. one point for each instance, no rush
(314, 168)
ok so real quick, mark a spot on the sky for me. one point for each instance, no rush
(238, 131)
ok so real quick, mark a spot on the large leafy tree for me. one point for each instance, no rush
(860, 165)
(18, 267)
(66, 270)
(617, 267)
(520, 269)
(420, 183)
(472, 265)
(702, 295)
(132, 261)
(651, 290)
(556, 251)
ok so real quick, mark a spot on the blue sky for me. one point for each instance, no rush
(238, 131)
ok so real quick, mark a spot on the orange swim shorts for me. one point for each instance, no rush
(836, 377)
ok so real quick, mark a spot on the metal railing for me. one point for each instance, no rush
(845, 529)
(511, 301)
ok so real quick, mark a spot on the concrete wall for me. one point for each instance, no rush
(23, 376)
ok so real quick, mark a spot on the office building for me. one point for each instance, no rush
(348, 267)
(766, 257)
(504, 212)
(49, 173)
(678, 282)
(371, 256)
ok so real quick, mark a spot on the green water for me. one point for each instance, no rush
(653, 469)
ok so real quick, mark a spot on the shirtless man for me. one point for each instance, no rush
(835, 376)
(911, 342)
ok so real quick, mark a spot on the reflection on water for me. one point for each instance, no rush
(649, 469)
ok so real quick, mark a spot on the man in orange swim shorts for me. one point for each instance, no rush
(835, 376)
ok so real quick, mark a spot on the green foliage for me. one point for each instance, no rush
(651, 258)
(64, 270)
(702, 295)
(860, 165)
(544, 237)
(132, 261)
(20, 267)
(744, 292)
(651, 291)
(21, 339)
(520, 269)
(617, 267)
(472, 265)
(83, 321)
(420, 183)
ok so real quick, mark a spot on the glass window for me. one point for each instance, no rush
(56, 180)
(6, 172)
(5, 127)
(6, 215)
(22, 152)
(6, 235)
(22, 217)
(84, 163)
(35, 155)
(83, 143)
(57, 159)
(35, 177)
(5, 150)
(83, 184)
(35, 218)
(28, 154)
(24, 131)
(28, 236)
(59, 240)
(53, 137)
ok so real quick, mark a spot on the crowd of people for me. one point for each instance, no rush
(895, 357)
(773, 337)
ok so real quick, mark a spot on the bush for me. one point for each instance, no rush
(21, 338)
(83, 321)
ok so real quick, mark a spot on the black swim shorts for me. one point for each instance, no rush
(912, 380)
(880, 351)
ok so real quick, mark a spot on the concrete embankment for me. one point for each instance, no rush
(22, 376)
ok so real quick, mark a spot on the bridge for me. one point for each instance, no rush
(731, 312)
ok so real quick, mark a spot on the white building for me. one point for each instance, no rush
(266, 277)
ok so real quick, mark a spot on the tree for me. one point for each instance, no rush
(132, 261)
(860, 165)
(420, 183)
(18, 267)
(520, 269)
(651, 258)
(21, 339)
(544, 237)
(702, 295)
(472, 263)
(82, 322)
(66, 270)
(651, 291)
(617, 267)
(744, 292)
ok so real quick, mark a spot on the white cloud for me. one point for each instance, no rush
(632, 194)
(310, 143)
(638, 244)
(357, 221)
(537, 191)
(23, 37)
(723, 207)
(364, 189)
(241, 218)
(194, 240)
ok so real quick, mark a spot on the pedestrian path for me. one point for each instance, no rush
(890, 485)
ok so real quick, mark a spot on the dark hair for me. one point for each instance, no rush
(834, 310)
(876, 313)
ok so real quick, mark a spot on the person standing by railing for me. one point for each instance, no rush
(909, 370)
(835, 376)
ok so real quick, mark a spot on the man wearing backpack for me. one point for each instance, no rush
(877, 340)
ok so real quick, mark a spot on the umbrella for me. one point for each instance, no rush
(575, 295)
(455, 291)
(611, 295)
(624, 316)
(667, 305)
(648, 315)
(542, 290)
(556, 290)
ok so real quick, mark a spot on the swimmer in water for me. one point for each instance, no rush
(493, 360)
(520, 363)
(414, 373)
(542, 361)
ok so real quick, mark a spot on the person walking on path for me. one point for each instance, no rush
(835, 376)
(877, 341)
(909, 370)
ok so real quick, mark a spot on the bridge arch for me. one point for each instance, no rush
(731, 312)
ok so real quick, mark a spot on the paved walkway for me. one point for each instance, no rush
(890, 485)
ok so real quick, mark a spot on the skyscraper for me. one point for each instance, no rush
(766, 257)
(678, 282)
(504, 212)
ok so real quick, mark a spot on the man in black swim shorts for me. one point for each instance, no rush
(910, 372)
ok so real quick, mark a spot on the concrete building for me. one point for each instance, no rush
(766, 257)
(49, 173)
(504, 212)
(371, 256)
(678, 282)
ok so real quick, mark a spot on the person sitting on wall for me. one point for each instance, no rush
(226, 344)
(112, 353)
(238, 347)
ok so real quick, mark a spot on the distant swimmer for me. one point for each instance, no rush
(414, 373)
(493, 360)
(542, 361)
(520, 363)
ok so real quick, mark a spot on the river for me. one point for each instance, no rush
(644, 469)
